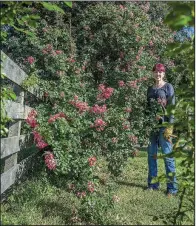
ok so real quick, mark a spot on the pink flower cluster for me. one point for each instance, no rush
(91, 187)
(71, 60)
(39, 140)
(98, 109)
(30, 59)
(162, 101)
(126, 126)
(105, 92)
(133, 84)
(114, 140)
(53, 118)
(58, 52)
(48, 49)
(92, 161)
(99, 124)
(31, 120)
(81, 194)
(128, 110)
(50, 161)
(122, 7)
(133, 139)
(82, 106)
(121, 83)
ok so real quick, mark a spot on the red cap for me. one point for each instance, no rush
(159, 67)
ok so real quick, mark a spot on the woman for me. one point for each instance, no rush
(163, 92)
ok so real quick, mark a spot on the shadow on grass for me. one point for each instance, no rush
(56, 209)
(131, 184)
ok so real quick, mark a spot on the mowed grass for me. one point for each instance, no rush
(40, 202)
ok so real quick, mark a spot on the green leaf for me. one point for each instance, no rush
(24, 31)
(52, 7)
(68, 4)
(13, 96)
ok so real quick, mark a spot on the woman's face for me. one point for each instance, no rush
(158, 76)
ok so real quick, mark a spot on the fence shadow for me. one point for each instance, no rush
(61, 209)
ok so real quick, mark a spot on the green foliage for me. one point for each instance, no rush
(30, 81)
(21, 12)
(68, 4)
(184, 109)
(6, 94)
(52, 7)
(114, 50)
(134, 205)
(182, 14)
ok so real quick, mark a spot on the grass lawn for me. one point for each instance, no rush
(38, 202)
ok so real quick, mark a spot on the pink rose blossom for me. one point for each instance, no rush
(133, 139)
(37, 136)
(128, 110)
(58, 52)
(32, 122)
(99, 122)
(30, 59)
(90, 187)
(81, 106)
(126, 127)
(53, 118)
(162, 101)
(41, 144)
(121, 83)
(132, 84)
(92, 161)
(50, 161)
(98, 109)
(105, 92)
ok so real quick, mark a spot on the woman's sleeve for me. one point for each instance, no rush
(171, 100)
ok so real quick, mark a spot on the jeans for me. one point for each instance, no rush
(155, 140)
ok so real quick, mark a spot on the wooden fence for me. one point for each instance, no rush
(13, 170)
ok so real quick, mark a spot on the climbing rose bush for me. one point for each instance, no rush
(95, 97)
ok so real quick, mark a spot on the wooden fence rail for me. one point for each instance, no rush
(18, 111)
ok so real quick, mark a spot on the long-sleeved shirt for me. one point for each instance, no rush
(164, 95)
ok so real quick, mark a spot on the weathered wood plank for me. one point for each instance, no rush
(14, 73)
(8, 178)
(16, 110)
(11, 70)
(15, 173)
(14, 144)
(10, 161)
